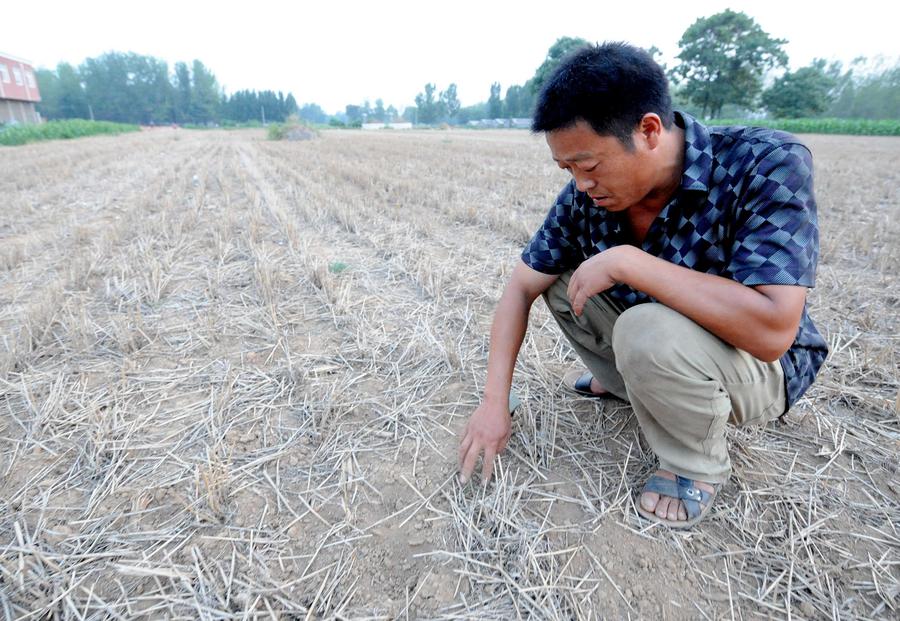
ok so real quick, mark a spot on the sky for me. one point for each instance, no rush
(346, 52)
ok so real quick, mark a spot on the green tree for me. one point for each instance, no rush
(378, 113)
(354, 114)
(723, 58)
(472, 113)
(866, 91)
(559, 50)
(62, 94)
(205, 96)
(428, 106)
(181, 107)
(410, 113)
(450, 102)
(519, 101)
(806, 92)
(48, 84)
(107, 89)
(312, 113)
(494, 103)
(290, 105)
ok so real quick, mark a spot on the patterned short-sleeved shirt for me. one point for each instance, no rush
(745, 210)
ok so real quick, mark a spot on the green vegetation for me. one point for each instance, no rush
(292, 129)
(60, 130)
(723, 60)
(855, 127)
(131, 88)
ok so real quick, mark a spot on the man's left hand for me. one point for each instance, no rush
(597, 274)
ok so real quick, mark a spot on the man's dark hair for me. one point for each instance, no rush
(610, 86)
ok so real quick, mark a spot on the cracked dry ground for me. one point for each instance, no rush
(232, 372)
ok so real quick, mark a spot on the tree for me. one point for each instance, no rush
(494, 103)
(107, 90)
(290, 105)
(390, 114)
(62, 94)
(182, 98)
(427, 105)
(354, 114)
(866, 91)
(450, 102)
(806, 92)
(204, 94)
(472, 113)
(313, 113)
(48, 83)
(559, 50)
(723, 58)
(378, 113)
(410, 113)
(519, 101)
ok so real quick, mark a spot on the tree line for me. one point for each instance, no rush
(722, 64)
(132, 88)
(721, 68)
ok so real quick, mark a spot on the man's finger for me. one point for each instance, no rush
(579, 301)
(463, 448)
(573, 287)
(469, 462)
(487, 466)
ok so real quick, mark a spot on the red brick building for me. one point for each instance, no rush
(18, 91)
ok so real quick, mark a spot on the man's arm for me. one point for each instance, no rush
(489, 426)
(762, 320)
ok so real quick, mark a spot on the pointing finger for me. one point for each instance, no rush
(469, 462)
(487, 467)
(464, 448)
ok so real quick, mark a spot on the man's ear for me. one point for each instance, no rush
(651, 128)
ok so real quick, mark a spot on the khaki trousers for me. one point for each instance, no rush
(683, 382)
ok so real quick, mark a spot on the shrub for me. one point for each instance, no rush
(857, 127)
(60, 130)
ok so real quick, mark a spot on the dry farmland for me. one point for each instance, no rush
(232, 372)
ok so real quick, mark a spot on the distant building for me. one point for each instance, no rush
(18, 91)
(387, 125)
(522, 123)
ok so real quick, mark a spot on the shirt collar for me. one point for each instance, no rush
(698, 157)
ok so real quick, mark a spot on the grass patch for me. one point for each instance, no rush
(60, 130)
(291, 130)
(851, 127)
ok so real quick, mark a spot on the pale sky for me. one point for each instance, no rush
(344, 52)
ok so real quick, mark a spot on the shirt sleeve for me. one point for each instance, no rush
(554, 247)
(777, 235)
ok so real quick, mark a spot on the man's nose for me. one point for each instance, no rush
(583, 182)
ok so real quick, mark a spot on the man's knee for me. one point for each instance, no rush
(649, 336)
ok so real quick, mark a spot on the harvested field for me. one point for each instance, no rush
(232, 372)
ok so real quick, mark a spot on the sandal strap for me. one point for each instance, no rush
(662, 486)
(583, 383)
(681, 488)
(692, 496)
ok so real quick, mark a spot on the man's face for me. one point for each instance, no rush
(614, 176)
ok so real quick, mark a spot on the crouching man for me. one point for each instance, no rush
(676, 262)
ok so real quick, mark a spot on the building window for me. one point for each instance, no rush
(29, 77)
(17, 74)
(4, 73)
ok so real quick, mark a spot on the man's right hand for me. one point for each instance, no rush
(488, 429)
(487, 432)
